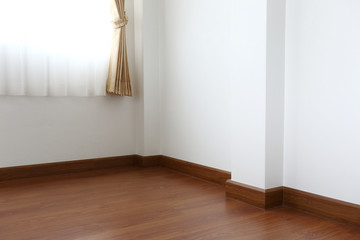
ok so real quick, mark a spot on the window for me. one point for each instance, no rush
(54, 48)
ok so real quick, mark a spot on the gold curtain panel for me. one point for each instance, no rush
(118, 81)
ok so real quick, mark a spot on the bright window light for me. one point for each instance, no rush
(41, 39)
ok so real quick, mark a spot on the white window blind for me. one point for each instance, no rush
(54, 47)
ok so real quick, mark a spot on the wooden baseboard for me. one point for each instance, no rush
(207, 173)
(47, 169)
(274, 197)
(148, 161)
(268, 198)
(316, 204)
(323, 206)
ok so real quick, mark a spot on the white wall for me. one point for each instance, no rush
(222, 86)
(138, 91)
(49, 129)
(221, 79)
(322, 113)
(195, 103)
(223, 91)
(147, 17)
(249, 91)
(40, 129)
(151, 33)
(275, 80)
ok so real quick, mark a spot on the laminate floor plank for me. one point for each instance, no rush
(146, 203)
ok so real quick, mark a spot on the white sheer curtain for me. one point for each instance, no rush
(54, 47)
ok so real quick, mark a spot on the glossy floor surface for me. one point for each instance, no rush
(148, 203)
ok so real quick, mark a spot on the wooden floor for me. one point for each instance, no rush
(147, 203)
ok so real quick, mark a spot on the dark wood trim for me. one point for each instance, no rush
(323, 206)
(274, 197)
(207, 173)
(245, 193)
(148, 161)
(316, 204)
(255, 196)
(56, 168)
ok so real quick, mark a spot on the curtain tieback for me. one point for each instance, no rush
(121, 22)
